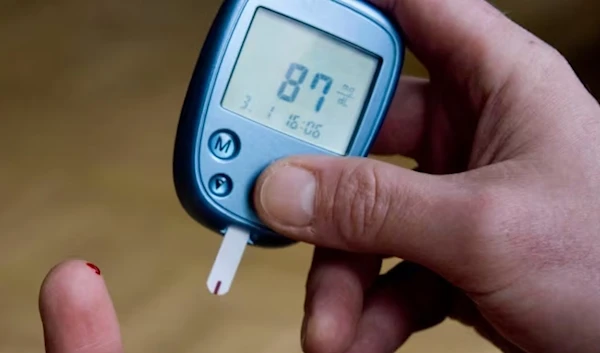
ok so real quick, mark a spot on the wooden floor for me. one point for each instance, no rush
(90, 93)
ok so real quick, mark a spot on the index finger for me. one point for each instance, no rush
(77, 312)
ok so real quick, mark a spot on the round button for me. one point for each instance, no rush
(220, 185)
(224, 144)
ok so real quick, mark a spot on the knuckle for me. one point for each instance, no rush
(359, 205)
(489, 228)
(501, 230)
(484, 231)
(507, 237)
(486, 212)
(552, 60)
(544, 60)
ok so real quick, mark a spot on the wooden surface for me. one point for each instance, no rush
(90, 94)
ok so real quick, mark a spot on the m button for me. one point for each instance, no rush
(224, 144)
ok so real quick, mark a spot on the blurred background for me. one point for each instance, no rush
(90, 93)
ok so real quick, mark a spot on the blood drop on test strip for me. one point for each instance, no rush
(227, 261)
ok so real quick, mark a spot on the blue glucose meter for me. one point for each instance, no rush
(278, 78)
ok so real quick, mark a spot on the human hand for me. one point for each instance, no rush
(500, 229)
(77, 312)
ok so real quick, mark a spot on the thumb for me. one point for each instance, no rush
(367, 206)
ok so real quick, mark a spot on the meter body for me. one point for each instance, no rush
(277, 78)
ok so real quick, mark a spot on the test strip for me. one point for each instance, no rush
(227, 261)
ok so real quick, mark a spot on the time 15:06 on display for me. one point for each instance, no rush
(308, 128)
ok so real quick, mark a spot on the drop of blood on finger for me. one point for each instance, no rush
(93, 267)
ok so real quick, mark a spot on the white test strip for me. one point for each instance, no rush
(227, 261)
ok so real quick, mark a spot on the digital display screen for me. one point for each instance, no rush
(300, 81)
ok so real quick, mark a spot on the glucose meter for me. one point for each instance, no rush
(277, 78)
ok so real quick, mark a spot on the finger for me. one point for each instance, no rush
(405, 300)
(467, 40)
(334, 299)
(367, 206)
(404, 127)
(77, 311)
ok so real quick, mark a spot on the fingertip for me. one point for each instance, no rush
(404, 301)
(284, 193)
(326, 332)
(333, 307)
(76, 310)
(334, 300)
(260, 190)
(74, 280)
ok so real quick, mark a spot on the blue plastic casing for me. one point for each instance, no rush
(355, 22)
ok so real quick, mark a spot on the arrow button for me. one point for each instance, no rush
(220, 185)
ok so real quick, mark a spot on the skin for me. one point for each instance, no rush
(77, 312)
(499, 228)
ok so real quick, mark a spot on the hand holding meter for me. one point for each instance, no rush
(277, 78)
